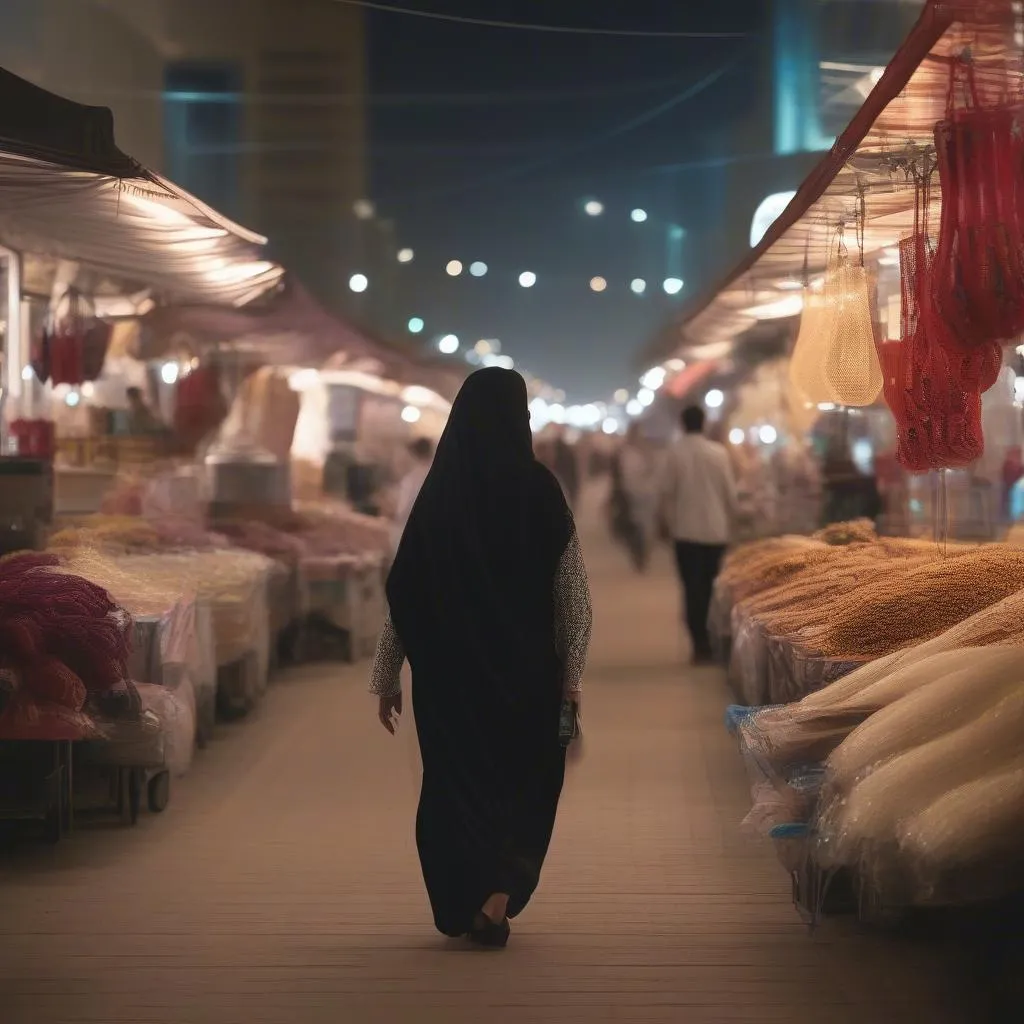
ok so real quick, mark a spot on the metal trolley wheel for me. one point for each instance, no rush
(159, 792)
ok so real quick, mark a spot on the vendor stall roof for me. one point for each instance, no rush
(290, 328)
(893, 128)
(68, 192)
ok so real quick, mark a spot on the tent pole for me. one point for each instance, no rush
(15, 339)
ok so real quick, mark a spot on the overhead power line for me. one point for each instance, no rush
(573, 30)
(583, 145)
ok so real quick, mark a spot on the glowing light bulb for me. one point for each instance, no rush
(359, 282)
(449, 344)
(527, 279)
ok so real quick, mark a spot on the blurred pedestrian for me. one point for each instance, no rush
(698, 494)
(422, 452)
(566, 467)
(639, 483)
(489, 602)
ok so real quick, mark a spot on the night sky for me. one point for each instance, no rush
(486, 141)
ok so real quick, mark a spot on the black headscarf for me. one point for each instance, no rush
(473, 578)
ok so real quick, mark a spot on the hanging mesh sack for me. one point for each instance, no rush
(852, 369)
(979, 260)
(933, 388)
(807, 365)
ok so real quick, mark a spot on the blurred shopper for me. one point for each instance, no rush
(422, 452)
(141, 419)
(698, 492)
(849, 492)
(638, 480)
(566, 468)
(489, 603)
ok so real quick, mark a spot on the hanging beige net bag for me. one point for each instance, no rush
(807, 364)
(852, 369)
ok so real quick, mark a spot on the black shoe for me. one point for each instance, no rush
(490, 934)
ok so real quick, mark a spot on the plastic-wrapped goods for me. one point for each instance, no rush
(862, 828)
(748, 662)
(969, 843)
(810, 730)
(22, 717)
(176, 712)
(932, 710)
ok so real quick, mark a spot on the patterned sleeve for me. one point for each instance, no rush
(386, 679)
(573, 614)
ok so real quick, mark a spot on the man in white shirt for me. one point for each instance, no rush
(422, 452)
(698, 494)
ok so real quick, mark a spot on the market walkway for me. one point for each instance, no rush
(281, 885)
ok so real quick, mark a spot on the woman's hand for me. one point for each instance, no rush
(389, 708)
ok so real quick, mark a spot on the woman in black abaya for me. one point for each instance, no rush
(489, 603)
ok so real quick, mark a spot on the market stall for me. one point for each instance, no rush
(878, 679)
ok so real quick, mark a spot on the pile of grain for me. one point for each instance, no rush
(910, 602)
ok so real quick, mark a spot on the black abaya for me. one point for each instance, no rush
(474, 602)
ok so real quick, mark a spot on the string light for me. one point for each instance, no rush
(638, 216)
(598, 284)
(673, 285)
(593, 208)
(527, 279)
(478, 269)
(453, 269)
(638, 286)
(406, 255)
(449, 344)
(358, 283)
(416, 325)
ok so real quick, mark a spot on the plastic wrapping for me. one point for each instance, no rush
(862, 829)
(176, 712)
(748, 661)
(967, 845)
(952, 700)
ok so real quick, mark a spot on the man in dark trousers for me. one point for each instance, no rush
(698, 495)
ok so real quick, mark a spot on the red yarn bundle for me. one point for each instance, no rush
(64, 640)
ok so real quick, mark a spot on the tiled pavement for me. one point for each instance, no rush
(281, 885)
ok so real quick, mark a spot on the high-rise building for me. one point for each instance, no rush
(827, 55)
(256, 106)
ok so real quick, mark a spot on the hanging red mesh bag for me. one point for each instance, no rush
(979, 259)
(932, 383)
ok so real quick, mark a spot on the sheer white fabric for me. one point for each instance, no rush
(573, 625)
